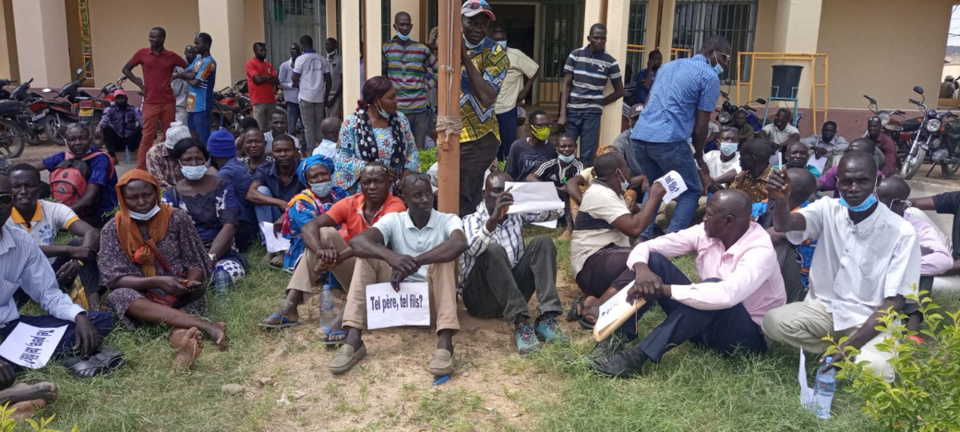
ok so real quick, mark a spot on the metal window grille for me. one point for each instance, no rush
(636, 32)
(697, 20)
(561, 33)
(287, 20)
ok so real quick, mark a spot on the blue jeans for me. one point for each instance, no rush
(508, 132)
(267, 213)
(657, 159)
(586, 127)
(199, 122)
(293, 116)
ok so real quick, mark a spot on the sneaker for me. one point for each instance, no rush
(549, 331)
(527, 341)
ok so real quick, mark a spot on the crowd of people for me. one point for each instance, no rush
(820, 246)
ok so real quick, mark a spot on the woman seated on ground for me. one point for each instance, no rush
(375, 132)
(212, 204)
(156, 267)
(317, 172)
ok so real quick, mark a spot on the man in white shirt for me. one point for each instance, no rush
(866, 261)
(311, 74)
(330, 131)
(180, 86)
(291, 94)
(278, 126)
(521, 77)
(780, 132)
(724, 163)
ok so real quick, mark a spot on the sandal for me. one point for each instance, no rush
(103, 363)
(284, 322)
(330, 338)
(346, 358)
(588, 311)
(277, 260)
(574, 313)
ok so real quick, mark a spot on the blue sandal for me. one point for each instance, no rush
(329, 334)
(284, 322)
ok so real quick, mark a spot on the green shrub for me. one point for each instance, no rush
(9, 424)
(427, 159)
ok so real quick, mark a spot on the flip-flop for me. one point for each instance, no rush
(284, 322)
(103, 363)
(328, 342)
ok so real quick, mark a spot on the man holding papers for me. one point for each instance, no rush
(499, 274)
(417, 245)
(741, 282)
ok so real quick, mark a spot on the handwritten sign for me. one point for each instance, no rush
(31, 347)
(613, 313)
(388, 308)
(674, 185)
(275, 242)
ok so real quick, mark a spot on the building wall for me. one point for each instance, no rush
(253, 26)
(120, 27)
(883, 50)
(9, 64)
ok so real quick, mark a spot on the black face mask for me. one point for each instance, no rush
(121, 105)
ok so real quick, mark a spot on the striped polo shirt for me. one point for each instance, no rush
(590, 74)
(407, 66)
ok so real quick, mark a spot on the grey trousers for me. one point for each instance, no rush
(420, 123)
(493, 289)
(261, 113)
(790, 270)
(475, 157)
(311, 114)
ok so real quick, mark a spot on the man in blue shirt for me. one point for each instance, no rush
(645, 77)
(678, 107)
(201, 76)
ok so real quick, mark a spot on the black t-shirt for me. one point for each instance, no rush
(524, 158)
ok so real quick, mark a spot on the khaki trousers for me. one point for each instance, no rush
(303, 275)
(441, 278)
(806, 323)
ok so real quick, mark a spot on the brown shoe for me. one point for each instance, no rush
(442, 363)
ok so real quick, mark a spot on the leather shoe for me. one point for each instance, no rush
(624, 364)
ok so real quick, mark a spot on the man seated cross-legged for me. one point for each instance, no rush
(740, 282)
(418, 245)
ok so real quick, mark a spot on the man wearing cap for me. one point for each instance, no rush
(484, 68)
(521, 76)
(160, 161)
(121, 126)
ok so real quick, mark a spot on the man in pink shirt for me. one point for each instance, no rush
(741, 281)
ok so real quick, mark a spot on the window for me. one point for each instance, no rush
(287, 20)
(697, 20)
(636, 32)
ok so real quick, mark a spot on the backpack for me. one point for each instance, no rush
(68, 182)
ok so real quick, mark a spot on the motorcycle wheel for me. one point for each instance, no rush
(912, 164)
(11, 139)
(55, 130)
(949, 169)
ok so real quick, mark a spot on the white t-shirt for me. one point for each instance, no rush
(520, 66)
(603, 204)
(718, 167)
(327, 148)
(46, 222)
(311, 67)
(268, 137)
(780, 136)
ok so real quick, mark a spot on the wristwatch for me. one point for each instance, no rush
(211, 256)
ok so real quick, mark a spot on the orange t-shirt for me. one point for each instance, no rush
(349, 213)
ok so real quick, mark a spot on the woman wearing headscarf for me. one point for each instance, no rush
(212, 204)
(375, 132)
(156, 266)
(317, 172)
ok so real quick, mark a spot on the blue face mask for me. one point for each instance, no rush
(193, 172)
(864, 206)
(624, 184)
(717, 68)
(403, 37)
(383, 113)
(145, 216)
(322, 189)
(728, 148)
(503, 44)
(470, 45)
(566, 159)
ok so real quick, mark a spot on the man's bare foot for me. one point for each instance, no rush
(189, 344)
(217, 332)
(28, 392)
(25, 409)
(288, 310)
(567, 235)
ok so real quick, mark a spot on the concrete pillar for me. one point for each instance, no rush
(9, 66)
(797, 30)
(411, 7)
(372, 38)
(350, 50)
(332, 28)
(41, 30)
(618, 14)
(667, 18)
(223, 21)
(652, 31)
(594, 11)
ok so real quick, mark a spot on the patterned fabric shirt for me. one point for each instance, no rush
(492, 62)
(755, 188)
(684, 87)
(508, 234)
(408, 67)
(348, 161)
(163, 166)
(590, 73)
(201, 97)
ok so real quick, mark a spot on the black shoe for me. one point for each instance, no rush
(613, 345)
(624, 364)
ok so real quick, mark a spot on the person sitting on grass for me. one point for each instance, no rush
(327, 249)
(315, 200)
(246, 125)
(724, 163)
(602, 232)
(529, 152)
(329, 134)
(274, 185)
(22, 260)
(755, 165)
(829, 180)
(420, 244)
(94, 170)
(828, 144)
(780, 132)
(740, 282)
(160, 163)
(211, 203)
(499, 274)
(745, 131)
(935, 257)
(797, 156)
(947, 203)
(156, 266)
(566, 166)
(223, 159)
(866, 261)
(278, 126)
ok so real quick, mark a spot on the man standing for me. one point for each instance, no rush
(883, 143)
(202, 78)
(521, 77)
(291, 93)
(407, 63)
(311, 73)
(335, 103)
(181, 89)
(121, 126)
(484, 68)
(159, 104)
(679, 107)
(582, 101)
(645, 77)
(498, 274)
(261, 82)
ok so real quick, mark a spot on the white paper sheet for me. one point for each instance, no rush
(806, 393)
(552, 224)
(533, 197)
(389, 308)
(31, 347)
(275, 242)
(817, 163)
(674, 185)
(613, 308)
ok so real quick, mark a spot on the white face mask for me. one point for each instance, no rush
(193, 172)
(145, 216)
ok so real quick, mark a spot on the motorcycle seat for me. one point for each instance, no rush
(910, 125)
(953, 127)
(10, 106)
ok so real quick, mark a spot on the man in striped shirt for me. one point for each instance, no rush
(407, 64)
(582, 101)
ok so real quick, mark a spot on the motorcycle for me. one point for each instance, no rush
(83, 108)
(11, 134)
(36, 112)
(894, 128)
(728, 111)
(231, 107)
(935, 134)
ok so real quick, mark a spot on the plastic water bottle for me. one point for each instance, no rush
(327, 314)
(826, 386)
(221, 281)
